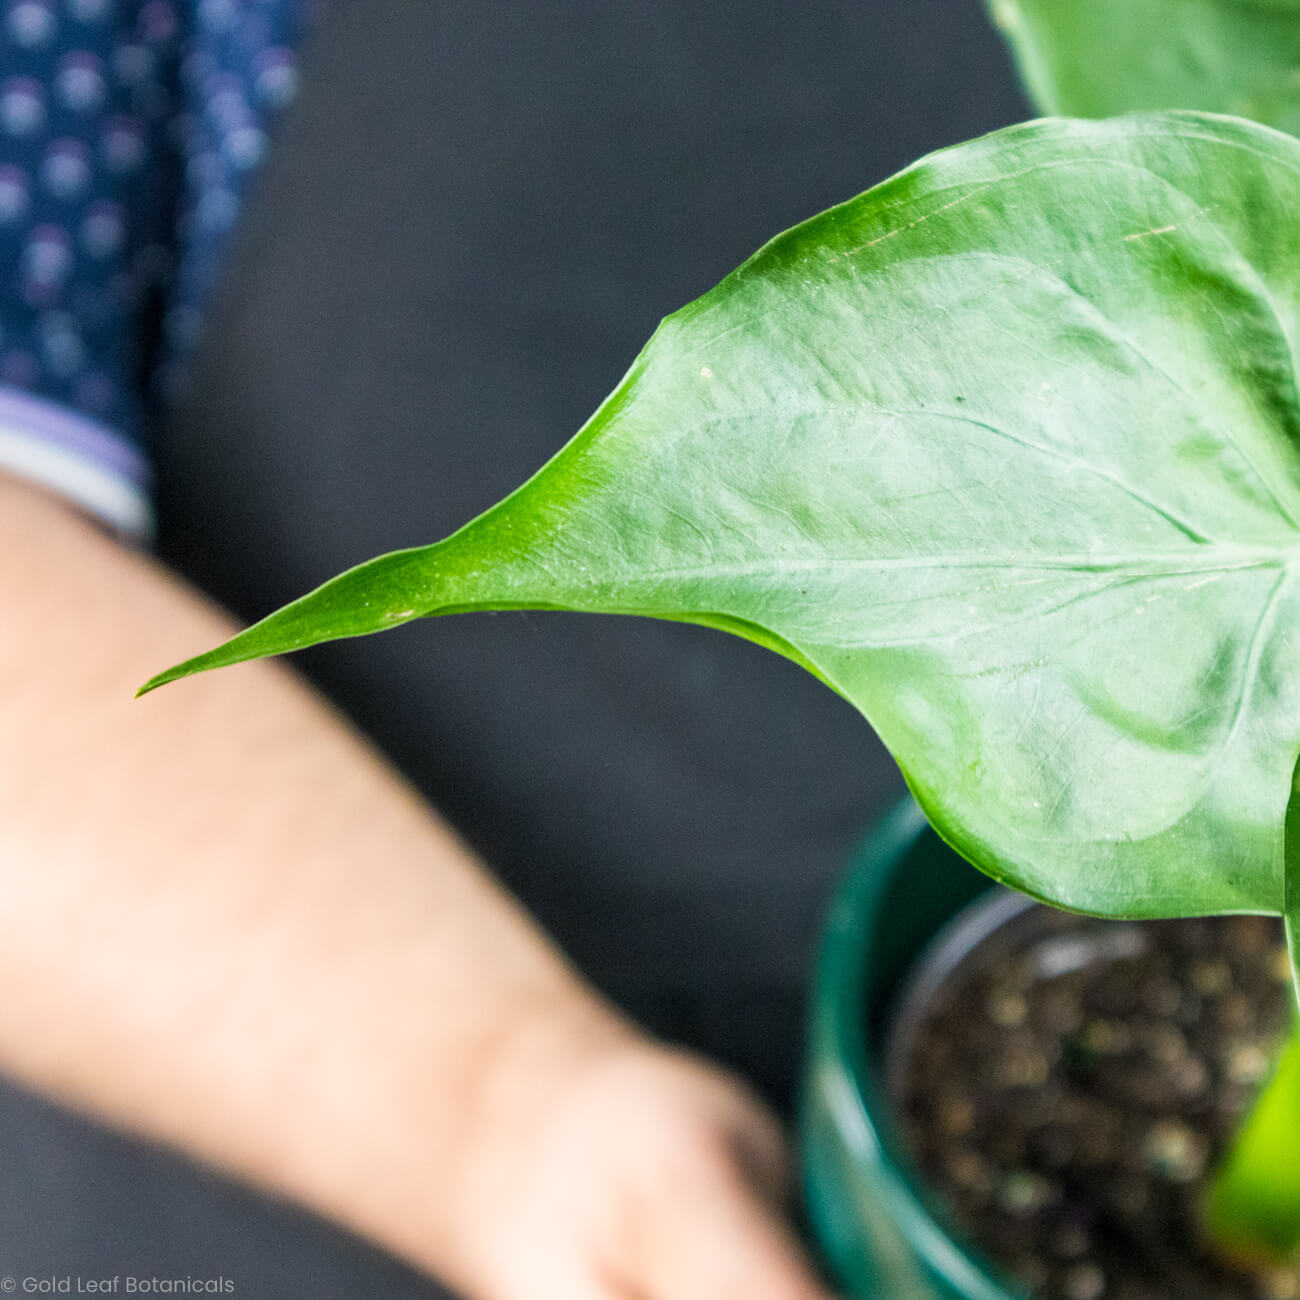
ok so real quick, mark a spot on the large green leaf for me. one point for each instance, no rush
(1097, 58)
(1005, 451)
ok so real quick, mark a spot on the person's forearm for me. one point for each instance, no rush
(225, 923)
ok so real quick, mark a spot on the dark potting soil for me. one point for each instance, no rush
(1070, 1087)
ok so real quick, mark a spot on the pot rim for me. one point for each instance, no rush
(852, 1088)
(976, 923)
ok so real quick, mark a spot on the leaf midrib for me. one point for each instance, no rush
(1139, 563)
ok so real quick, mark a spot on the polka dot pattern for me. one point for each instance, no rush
(128, 136)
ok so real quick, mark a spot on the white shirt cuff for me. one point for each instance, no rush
(82, 460)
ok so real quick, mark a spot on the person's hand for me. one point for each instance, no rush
(333, 999)
(629, 1173)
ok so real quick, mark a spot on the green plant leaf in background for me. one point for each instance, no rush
(1099, 58)
(1251, 1205)
(1007, 452)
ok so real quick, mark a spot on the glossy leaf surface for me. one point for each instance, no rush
(1005, 451)
(1105, 57)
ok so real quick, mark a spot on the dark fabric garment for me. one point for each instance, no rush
(128, 132)
(476, 216)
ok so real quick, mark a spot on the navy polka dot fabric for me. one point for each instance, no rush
(128, 135)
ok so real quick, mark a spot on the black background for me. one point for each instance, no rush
(475, 217)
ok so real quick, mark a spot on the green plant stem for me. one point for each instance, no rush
(1252, 1207)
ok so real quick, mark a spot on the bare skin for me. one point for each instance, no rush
(225, 923)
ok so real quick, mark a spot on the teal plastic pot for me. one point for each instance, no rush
(870, 1214)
